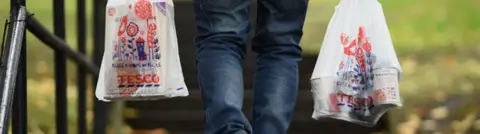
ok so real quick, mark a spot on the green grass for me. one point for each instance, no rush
(414, 24)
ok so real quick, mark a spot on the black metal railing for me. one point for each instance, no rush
(10, 66)
(14, 62)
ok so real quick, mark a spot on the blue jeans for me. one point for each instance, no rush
(223, 28)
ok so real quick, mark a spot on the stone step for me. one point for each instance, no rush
(194, 101)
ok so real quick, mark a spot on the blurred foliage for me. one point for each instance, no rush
(414, 24)
(433, 80)
(436, 41)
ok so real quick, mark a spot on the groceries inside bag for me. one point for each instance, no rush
(141, 60)
(356, 77)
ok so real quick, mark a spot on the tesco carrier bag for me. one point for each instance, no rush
(356, 77)
(141, 60)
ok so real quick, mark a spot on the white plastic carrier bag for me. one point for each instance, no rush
(357, 73)
(141, 60)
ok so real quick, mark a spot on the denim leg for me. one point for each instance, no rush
(223, 28)
(277, 37)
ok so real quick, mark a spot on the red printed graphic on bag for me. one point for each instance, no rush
(139, 79)
(385, 94)
(355, 70)
(364, 47)
(341, 65)
(125, 90)
(339, 100)
(123, 25)
(385, 85)
(380, 95)
(111, 11)
(392, 93)
(132, 29)
(143, 9)
(133, 67)
(151, 35)
(347, 48)
(136, 57)
(361, 45)
(333, 107)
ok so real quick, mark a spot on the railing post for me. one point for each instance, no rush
(61, 116)
(100, 108)
(19, 110)
(81, 72)
(13, 79)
